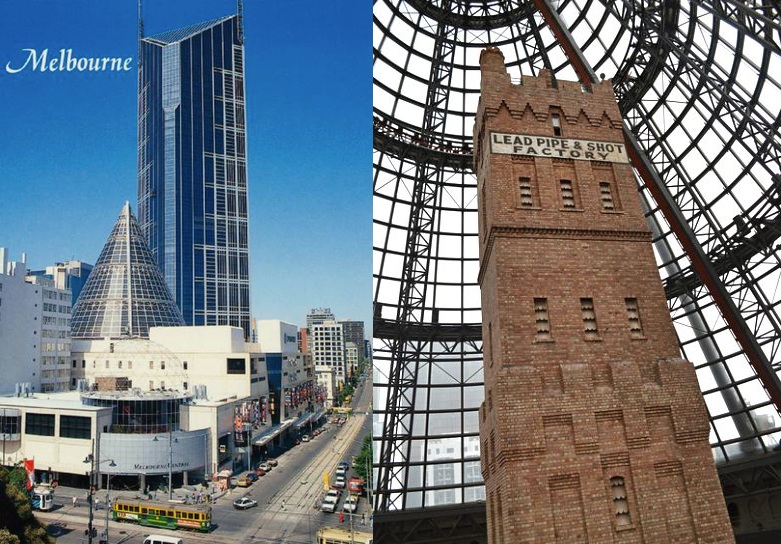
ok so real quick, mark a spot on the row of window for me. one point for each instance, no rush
(70, 426)
(589, 316)
(570, 194)
(129, 363)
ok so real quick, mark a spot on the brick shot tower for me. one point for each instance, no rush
(593, 428)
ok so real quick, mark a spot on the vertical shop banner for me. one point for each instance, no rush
(29, 467)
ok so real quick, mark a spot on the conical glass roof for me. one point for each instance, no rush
(126, 293)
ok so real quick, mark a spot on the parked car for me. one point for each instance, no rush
(340, 481)
(265, 467)
(244, 502)
(272, 461)
(350, 504)
(244, 481)
(341, 471)
(305, 438)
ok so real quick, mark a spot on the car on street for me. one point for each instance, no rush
(265, 467)
(330, 502)
(305, 438)
(350, 504)
(244, 502)
(341, 481)
(247, 479)
(272, 461)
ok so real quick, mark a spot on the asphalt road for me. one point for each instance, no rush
(297, 480)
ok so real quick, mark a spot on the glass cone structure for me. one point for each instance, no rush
(698, 86)
(125, 294)
(192, 176)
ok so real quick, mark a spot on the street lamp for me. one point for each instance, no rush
(111, 463)
(171, 441)
(93, 462)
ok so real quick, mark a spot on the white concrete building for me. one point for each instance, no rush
(275, 336)
(34, 330)
(326, 343)
(178, 358)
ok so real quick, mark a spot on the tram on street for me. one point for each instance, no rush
(196, 517)
(339, 535)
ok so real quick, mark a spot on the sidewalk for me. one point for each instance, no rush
(63, 496)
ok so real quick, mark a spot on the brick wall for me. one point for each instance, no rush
(593, 429)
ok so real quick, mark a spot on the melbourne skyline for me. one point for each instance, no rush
(69, 145)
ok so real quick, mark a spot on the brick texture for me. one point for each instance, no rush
(593, 428)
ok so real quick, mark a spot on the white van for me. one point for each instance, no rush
(162, 539)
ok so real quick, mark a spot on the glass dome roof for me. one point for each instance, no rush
(698, 86)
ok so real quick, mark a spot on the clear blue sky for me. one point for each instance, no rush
(68, 141)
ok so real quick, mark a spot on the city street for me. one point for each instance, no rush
(297, 482)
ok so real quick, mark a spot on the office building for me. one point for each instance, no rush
(318, 316)
(326, 341)
(192, 179)
(34, 331)
(70, 275)
(354, 332)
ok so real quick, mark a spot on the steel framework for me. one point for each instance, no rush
(699, 85)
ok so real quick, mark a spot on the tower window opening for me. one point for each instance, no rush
(527, 195)
(568, 194)
(541, 318)
(633, 315)
(589, 318)
(620, 502)
(556, 120)
(606, 196)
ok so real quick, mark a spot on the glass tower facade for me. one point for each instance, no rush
(192, 176)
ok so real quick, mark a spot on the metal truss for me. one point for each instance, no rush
(699, 85)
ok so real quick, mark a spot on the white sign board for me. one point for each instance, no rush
(564, 148)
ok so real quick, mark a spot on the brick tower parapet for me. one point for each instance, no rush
(593, 428)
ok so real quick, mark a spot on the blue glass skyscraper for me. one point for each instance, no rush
(192, 168)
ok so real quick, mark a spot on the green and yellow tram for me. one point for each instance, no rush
(197, 517)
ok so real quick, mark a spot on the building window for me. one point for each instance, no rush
(162, 365)
(185, 365)
(620, 502)
(39, 424)
(606, 196)
(589, 318)
(151, 365)
(633, 315)
(237, 366)
(119, 364)
(10, 424)
(75, 427)
(106, 364)
(556, 120)
(527, 192)
(568, 196)
(541, 318)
